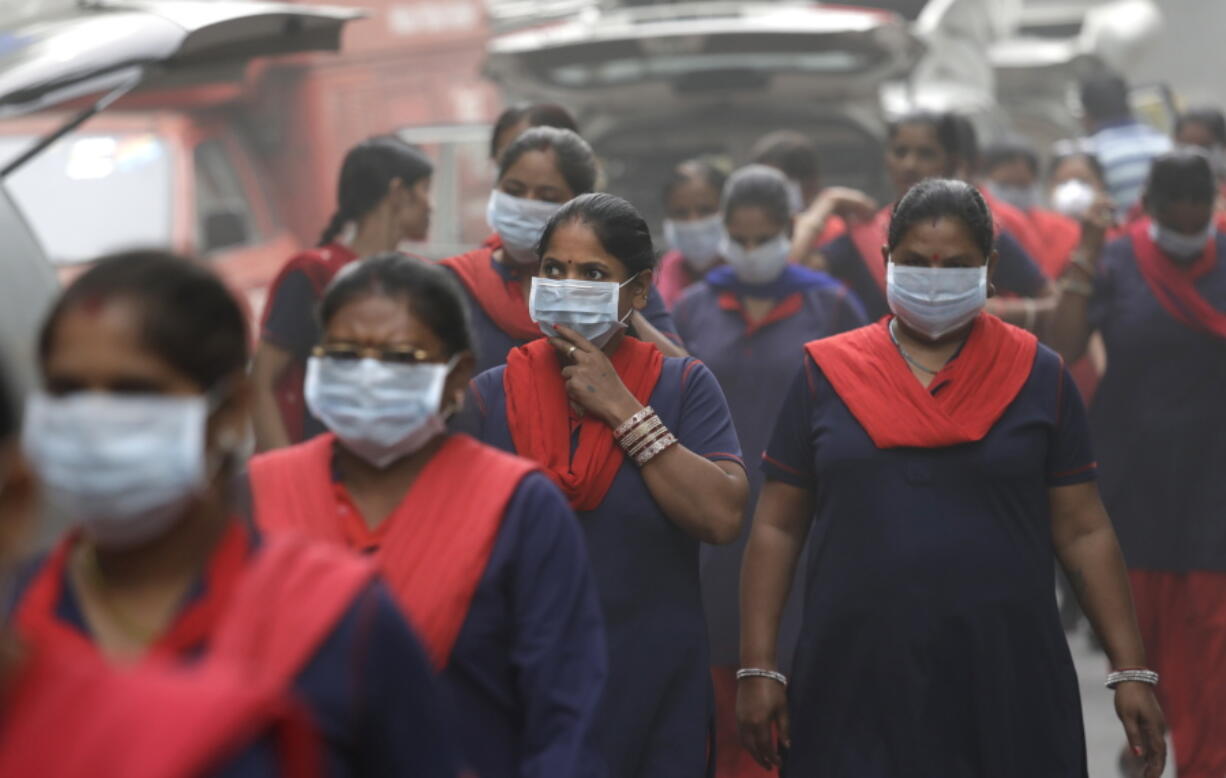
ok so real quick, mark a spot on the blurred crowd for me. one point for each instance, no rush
(794, 491)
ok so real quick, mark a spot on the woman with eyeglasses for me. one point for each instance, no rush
(480, 549)
(137, 436)
(643, 446)
(940, 459)
(538, 172)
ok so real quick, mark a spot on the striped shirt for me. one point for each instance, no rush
(1125, 150)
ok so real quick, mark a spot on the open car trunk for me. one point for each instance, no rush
(54, 52)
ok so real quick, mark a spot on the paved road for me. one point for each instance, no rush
(1104, 734)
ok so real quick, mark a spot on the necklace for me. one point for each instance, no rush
(910, 359)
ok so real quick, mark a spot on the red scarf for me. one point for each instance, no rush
(1175, 286)
(320, 265)
(269, 610)
(896, 411)
(69, 715)
(503, 301)
(432, 550)
(868, 238)
(539, 418)
(1010, 219)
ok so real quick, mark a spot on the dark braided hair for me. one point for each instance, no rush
(760, 186)
(1180, 175)
(943, 125)
(620, 228)
(575, 160)
(431, 292)
(368, 171)
(695, 169)
(943, 198)
(1211, 118)
(535, 115)
(188, 317)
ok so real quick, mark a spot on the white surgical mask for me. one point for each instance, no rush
(761, 265)
(1023, 198)
(1073, 198)
(519, 222)
(935, 301)
(124, 467)
(587, 307)
(380, 411)
(698, 240)
(1179, 246)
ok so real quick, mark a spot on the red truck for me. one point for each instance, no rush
(240, 166)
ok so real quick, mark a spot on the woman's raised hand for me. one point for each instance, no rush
(591, 381)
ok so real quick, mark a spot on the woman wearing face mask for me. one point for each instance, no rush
(540, 171)
(942, 458)
(1205, 129)
(744, 322)
(1158, 298)
(135, 437)
(693, 227)
(66, 716)
(493, 575)
(383, 199)
(644, 448)
(921, 146)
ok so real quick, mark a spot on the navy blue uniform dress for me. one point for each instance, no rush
(369, 689)
(493, 343)
(528, 667)
(931, 643)
(1016, 272)
(655, 718)
(754, 364)
(1159, 419)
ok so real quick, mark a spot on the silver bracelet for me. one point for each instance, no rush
(655, 449)
(629, 423)
(1140, 675)
(642, 431)
(757, 672)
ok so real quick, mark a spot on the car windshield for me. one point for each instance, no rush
(91, 194)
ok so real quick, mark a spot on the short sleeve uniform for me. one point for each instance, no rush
(369, 688)
(654, 719)
(931, 642)
(1158, 419)
(754, 364)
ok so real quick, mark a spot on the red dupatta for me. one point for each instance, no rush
(871, 377)
(539, 419)
(69, 716)
(1174, 286)
(432, 550)
(868, 238)
(320, 265)
(502, 300)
